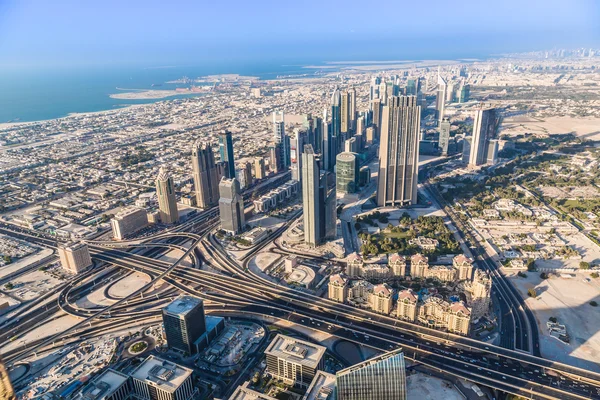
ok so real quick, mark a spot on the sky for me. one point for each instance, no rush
(61, 33)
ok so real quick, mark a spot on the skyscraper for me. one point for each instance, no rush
(336, 116)
(329, 147)
(352, 108)
(167, 202)
(259, 168)
(399, 152)
(310, 197)
(226, 153)
(74, 256)
(328, 204)
(485, 126)
(444, 136)
(374, 89)
(184, 323)
(465, 93)
(300, 139)
(318, 135)
(377, 108)
(345, 114)
(379, 378)
(411, 87)
(231, 206)
(440, 99)
(282, 141)
(346, 179)
(204, 171)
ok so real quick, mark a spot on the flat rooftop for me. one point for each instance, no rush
(183, 305)
(104, 385)
(244, 393)
(162, 374)
(296, 350)
(321, 387)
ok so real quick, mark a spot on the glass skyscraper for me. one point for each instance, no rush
(380, 378)
(226, 153)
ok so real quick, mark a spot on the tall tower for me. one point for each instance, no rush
(204, 171)
(336, 117)
(310, 197)
(345, 114)
(282, 141)
(167, 202)
(226, 153)
(444, 136)
(485, 126)
(399, 152)
(377, 108)
(352, 108)
(299, 141)
(259, 168)
(184, 323)
(6, 390)
(231, 206)
(440, 98)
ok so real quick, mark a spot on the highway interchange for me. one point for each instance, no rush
(232, 289)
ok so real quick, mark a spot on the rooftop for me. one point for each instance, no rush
(296, 350)
(104, 385)
(244, 393)
(182, 305)
(162, 374)
(321, 387)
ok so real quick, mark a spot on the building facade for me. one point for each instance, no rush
(205, 175)
(226, 153)
(167, 200)
(231, 206)
(74, 256)
(158, 379)
(485, 127)
(293, 360)
(184, 323)
(128, 221)
(346, 179)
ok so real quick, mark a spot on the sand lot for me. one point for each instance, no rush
(32, 285)
(423, 387)
(568, 300)
(588, 128)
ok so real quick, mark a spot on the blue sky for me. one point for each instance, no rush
(87, 32)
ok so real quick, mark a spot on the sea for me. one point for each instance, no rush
(41, 94)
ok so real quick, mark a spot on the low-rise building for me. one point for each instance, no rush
(109, 385)
(156, 378)
(293, 360)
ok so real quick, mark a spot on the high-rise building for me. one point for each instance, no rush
(74, 256)
(204, 173)
(352, 108)
(350, 145)
(440, 98)
(328, 204)
(6, 390)
(282, 141)
(380, 298)
(398, 152)
(318, 134)
(408, 305)
(293, 360)
(346, 180)
(231, 206)
(463, 266)
(158, 379)
(336, 117)
(360, 125)
(300, 139)
(167, 201)
(444, 136)
(226, 153)
(485, 126)
(374, 89)
(310, 197)
(128, 221)
(377, 110)
(411, 87)
(345, 114)
(259, 168)
(184, 323)
(478, 293)
(330, 147)
(379, 378)
(465, 93)
(450, 92)
(243, 173)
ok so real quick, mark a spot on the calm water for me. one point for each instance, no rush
(45, 94)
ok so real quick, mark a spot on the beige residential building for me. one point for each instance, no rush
(74, 256)
(442, 273)
(128, 222)
(358, 293)
(397, 264)
(407, 305)
(437, 313)
(464, 267)
(459, 318)
(478, 293)
(354, 265)
(259, 168)
(380, 298)
(294, 361)
(418, 266)
(338, 288)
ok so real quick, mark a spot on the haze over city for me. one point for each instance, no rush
(310, 201)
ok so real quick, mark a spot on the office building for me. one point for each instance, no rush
(300, 139)
(398, 152)
(465, 93)
(330, 147)
(167, 201)
(360, 125)
(351, 145)
(282, 142)
(377, 108)
(336, 116)
(328, 205)
(293, 360)
(205, 175)
(243, 173)
(379, 378)
(74, 256)
(444, 136)
(485, 126)
(322, 387)
(352, 107)
(411, 87)
(128, 221)
(310, 197)
(6, 390)
(158, 379)
(259, 168)
(450, 92)
(318, 134)
(345, 115)
(184, 323)
(109, 385)
(337, 289)
(440, 98)
(231, 206)
(346, 180)
(226, 153)
(370, 135)
(243, 392)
